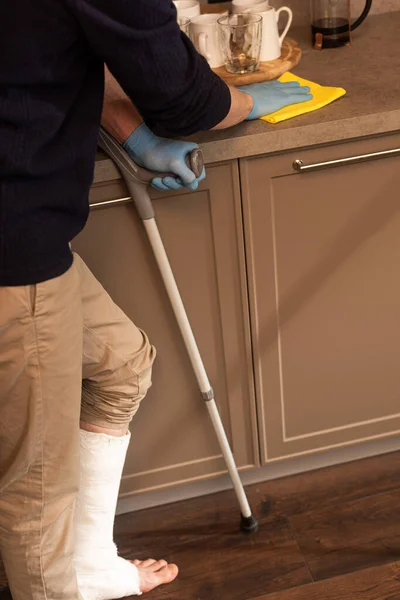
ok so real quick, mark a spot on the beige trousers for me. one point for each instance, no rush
(66, 352)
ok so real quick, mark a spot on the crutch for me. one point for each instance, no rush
(137, 181)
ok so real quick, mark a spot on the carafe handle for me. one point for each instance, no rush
(363, 16)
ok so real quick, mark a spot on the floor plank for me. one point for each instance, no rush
(332, 485)
(287, 496)
(350, 536)
(376, 583)
(191, 519)
(227, 565)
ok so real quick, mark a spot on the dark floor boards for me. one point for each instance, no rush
(350, 536)
(313, 526)
(325, 535)
(376, 583)
(226, 563)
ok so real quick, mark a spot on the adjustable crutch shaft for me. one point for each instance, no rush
(137, 181)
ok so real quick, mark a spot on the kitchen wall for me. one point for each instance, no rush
(301, 8)
(378, 6)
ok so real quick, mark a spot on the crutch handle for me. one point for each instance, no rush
(194, 160)
(137, 178)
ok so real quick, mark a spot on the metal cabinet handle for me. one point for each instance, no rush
(299, 166)
(113, 202)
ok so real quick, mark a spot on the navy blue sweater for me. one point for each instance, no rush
(52, 55)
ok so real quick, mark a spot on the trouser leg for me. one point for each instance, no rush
(40, 393)
(117, 361)
(117, 358)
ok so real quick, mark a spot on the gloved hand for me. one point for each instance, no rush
(270, 96)
(163, 156)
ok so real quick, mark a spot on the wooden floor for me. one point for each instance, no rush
(333, 534)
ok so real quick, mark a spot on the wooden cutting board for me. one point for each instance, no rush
(291, 54)
(218, 8)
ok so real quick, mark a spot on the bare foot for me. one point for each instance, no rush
(153, 573)
(121, 578)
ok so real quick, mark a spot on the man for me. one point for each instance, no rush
(73, 368)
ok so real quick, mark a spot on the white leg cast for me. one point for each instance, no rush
(101, 573)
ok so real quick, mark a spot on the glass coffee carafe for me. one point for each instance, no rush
(332, 24)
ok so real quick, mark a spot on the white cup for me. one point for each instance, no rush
(271, 44)
(187, 8)
(204, 33)
(254, 6)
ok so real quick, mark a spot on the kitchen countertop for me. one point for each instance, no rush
(368, 70)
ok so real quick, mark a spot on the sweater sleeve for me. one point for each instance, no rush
(156, 65)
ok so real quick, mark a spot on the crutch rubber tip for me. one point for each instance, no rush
(248, 524)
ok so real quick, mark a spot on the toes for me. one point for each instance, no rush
(167, 574)
(148, 563)
(166, 571)
(173, 570)
(150, 578)
(160, 564)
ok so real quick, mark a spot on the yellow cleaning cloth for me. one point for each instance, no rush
(321, 97)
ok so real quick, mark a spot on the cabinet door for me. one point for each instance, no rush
(323, 250)
(172, 438)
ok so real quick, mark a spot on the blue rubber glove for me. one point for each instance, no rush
(163, 156)
(270, 96)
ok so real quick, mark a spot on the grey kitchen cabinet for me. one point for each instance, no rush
(172, 438)
(323, 258)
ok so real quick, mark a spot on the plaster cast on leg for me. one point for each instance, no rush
(101, 573)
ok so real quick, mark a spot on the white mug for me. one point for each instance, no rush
(254, 6)
(204, 33)
(271, 40)
(187, 8)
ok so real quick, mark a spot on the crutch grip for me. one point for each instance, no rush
(195, 161)
(137, 178)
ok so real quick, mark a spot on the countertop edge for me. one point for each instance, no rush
(272, 142)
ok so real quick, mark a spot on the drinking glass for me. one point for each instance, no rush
(241, 36)
(184, 24)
